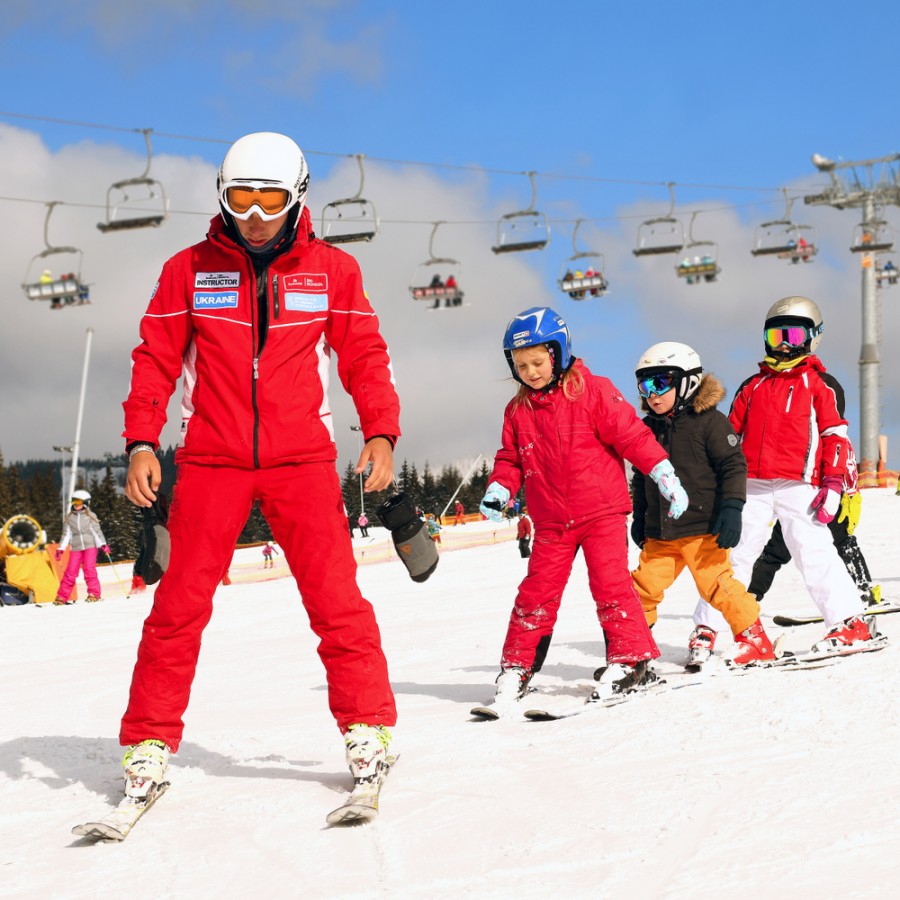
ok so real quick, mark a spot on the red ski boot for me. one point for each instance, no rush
(752, 647)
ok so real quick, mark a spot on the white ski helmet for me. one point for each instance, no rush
(264, 160)
(84, 496)
(797, 310)
(670, 356)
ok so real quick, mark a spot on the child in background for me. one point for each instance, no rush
(795, 441)
(681, 405)
(566, 434)
(81, 530)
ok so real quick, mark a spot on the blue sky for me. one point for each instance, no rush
(450, 103)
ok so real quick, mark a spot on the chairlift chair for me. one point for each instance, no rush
(887, 272)
(580, 280)
(662, 234)
(784, 238)
(117, 196)
(64, 290)
(873, 237)
(352, 219)
(428, 283)
(526, 229)
(702, 265)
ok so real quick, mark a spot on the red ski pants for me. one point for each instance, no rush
(304, 508)
(603, 541)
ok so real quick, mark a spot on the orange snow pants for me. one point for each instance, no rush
(304, 508)
(661, 562)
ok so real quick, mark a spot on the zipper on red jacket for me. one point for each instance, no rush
(790, 395)
(275, 302)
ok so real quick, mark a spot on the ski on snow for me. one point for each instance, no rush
(362, 804)
(117, 824)
(552, 713)
(881, 609)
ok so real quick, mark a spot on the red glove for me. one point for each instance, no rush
(828, 501)
(59, 554)
(105, 549)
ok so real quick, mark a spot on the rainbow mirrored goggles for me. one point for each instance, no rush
(792, 335)
(660, 383)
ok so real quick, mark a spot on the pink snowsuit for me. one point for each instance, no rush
(569, 453)
(82, 531)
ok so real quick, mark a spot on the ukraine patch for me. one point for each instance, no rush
(215, 299)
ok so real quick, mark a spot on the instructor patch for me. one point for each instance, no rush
(210, 280)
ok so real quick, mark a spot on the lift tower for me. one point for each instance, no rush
(869, 185)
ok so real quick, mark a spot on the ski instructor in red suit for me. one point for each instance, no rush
(249, 318)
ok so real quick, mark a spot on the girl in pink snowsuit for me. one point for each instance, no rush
(82, 531)
(565, 435)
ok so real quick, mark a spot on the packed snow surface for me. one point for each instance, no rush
(773, 783)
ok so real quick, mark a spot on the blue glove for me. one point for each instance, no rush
(494, 503)
(670, 487)
(727, 526)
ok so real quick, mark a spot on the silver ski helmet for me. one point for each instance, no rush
(680, 360)
(534, 327)
(800, 311)
(83, 496)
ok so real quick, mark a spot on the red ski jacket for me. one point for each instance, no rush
(256, 400)
(789, 423)
(570, 452)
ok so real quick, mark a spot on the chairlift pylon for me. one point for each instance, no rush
(578, 280)
(662, 234)
(526, 229)
(66, 289)
(341, 225)
(786, 239)
(699, 267)
(876, 236)
(427, 282)
(117, 196)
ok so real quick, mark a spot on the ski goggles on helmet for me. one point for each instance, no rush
(243, 200)
(792, 335)
(659, 383)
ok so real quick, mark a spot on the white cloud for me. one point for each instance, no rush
(449, 366)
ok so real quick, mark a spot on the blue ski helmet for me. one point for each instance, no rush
(536, 326)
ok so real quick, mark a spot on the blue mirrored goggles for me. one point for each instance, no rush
(660, 383)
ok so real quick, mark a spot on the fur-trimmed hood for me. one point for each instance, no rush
(709, 395)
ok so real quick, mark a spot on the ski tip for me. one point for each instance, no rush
(484, 714)
(352, 814)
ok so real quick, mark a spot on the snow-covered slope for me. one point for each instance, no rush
(769, 784)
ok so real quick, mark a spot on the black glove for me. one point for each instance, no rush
(155, 544)
(727, 526)
(414, 545)
(638, 532)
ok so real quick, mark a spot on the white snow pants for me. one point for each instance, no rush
(810, 543)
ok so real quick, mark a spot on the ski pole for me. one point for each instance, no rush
(127, 595)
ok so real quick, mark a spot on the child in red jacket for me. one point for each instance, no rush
(794, 437)
(566, 434)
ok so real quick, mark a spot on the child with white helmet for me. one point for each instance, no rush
(565, 436)
(680, 402)
(81, 532)
(794, 438)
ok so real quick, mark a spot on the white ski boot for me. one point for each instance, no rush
(145, 768)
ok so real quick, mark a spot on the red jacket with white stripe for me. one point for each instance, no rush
(789, 423)
(246, 404)
(570, 452)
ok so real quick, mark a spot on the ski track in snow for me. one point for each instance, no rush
(770, 783)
